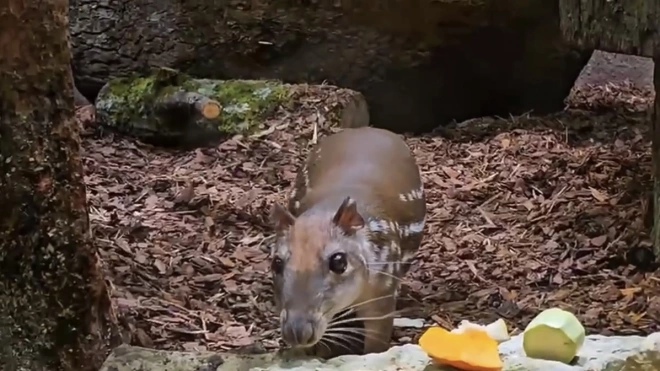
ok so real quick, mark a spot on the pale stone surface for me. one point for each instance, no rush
(599, 353)
(604, 68)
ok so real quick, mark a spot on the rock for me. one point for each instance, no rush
(652, 342)
(409, 322)
(599, 353)
(419, 64)
(612, 68)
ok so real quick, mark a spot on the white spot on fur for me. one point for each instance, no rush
(282, 249)
(296, 205)
(384, 255)
(414, 195)
(389, 268)
(293, 193)
(412, 228)
(389, 281)
(407, 256)
(305, 177)
(368, 254)
(396, 268)
(372, 259)
(396, 249)
(379, 226)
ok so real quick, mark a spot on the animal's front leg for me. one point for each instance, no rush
(323, 350)
(318, 350)
(326, 350)
(378, 329)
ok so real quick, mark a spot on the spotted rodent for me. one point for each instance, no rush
(355, 218)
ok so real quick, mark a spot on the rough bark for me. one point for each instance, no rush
(55, 312)
(622, 26)
(171, 108)
(656, 160)
(419, 63)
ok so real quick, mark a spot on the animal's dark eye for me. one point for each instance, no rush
(338, 263)
(277, 265)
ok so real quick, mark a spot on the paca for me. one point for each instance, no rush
(354, 221)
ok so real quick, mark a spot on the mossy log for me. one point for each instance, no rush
(171, 108)
(55, 311)
(419, 63)
(621, 26)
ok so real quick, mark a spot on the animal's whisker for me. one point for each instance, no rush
(356, 336)
(350, 329)
(400, 279)
(356, 319)
(390, 262)
(343, 314)
(368, 301)
(335, 341)
(321, 342)
(344, 336)
(349, 339)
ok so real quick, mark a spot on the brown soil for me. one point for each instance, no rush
(524, 214)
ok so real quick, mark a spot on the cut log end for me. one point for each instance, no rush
(211, 110)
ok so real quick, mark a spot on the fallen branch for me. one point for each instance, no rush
(183, 100)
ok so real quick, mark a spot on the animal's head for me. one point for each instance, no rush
(319, 268)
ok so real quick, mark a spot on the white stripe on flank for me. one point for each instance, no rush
(379, 225)
(412, 228)
(414, 195)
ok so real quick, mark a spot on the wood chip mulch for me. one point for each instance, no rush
(524, 213)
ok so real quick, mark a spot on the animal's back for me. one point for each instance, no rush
(357, 160)
(377, 169)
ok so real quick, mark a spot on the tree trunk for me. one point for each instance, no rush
(419, 63)
(656, 160)
(55, 311)
(622, 26)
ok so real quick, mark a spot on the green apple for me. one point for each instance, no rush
(554, 335)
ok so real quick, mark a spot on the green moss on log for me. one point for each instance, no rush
(245, 102)
(130, 105)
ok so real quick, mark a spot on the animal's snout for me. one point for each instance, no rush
(299, 329)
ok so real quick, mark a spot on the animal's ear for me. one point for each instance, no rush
(347, 217)
(281, 218)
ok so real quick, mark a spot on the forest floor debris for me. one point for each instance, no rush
(525, 213)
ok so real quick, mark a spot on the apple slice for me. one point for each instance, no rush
(554, 335)
(496, 330)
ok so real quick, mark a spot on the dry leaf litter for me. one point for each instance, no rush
(524, 213)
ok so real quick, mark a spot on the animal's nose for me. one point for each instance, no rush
(297, 328)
